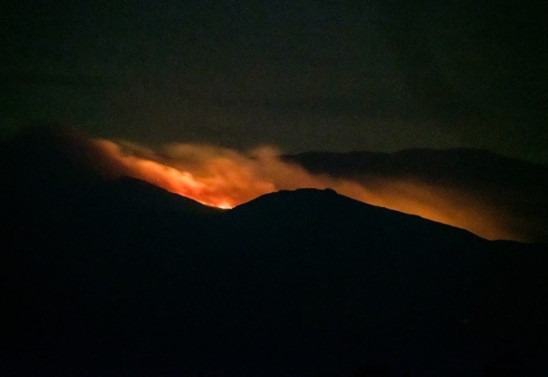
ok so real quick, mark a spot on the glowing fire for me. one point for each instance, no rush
(225, 178)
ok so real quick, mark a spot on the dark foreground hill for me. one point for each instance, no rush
(118, 278)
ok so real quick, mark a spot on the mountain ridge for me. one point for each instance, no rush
(467, 187)
(108, 278)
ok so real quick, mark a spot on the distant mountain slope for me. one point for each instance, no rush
(487, 193)
(52, 166)
(137, 195)
(118, 278)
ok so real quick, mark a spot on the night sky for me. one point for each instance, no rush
(301, 75)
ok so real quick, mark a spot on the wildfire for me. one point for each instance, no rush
(224, 178)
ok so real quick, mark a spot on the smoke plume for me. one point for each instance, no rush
(225, 178)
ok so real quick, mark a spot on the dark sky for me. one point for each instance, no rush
(303, 75)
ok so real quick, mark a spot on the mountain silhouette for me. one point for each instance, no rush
(470, 182)
(115, 277)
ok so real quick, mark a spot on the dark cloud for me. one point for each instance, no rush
(382, 75)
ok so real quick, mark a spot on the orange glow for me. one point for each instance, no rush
(225, 178)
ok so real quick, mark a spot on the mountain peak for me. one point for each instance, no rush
(302, 200)
(326, 209)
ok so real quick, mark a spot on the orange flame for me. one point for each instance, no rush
(224, 178)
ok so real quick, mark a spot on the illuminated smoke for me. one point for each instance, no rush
(225, 178)
(215, 176)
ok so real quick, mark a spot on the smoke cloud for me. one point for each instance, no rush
(225, 178)
(212, 175)
(487, 194)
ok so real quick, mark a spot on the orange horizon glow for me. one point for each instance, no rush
(225, 178)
